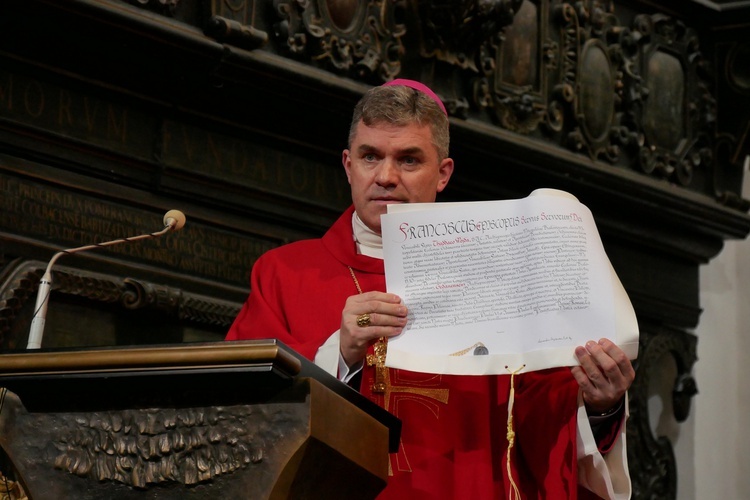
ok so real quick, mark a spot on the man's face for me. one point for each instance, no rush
(390, 164)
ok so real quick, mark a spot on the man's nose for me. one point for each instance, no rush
(388, 173)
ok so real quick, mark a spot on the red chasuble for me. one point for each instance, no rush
(453, 443)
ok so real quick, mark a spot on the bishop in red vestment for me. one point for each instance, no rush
(454, 440)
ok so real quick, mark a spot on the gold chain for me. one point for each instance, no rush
(356, 281)
(380, 347)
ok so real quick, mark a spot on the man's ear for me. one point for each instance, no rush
(446, 170)
(346, 161)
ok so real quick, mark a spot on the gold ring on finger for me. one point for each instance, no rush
(363, 320)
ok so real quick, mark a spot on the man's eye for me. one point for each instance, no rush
(369, 157)
(409, 160)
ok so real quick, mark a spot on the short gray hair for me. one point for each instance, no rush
(400, 105)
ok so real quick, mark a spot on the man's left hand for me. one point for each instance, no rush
(605, 374)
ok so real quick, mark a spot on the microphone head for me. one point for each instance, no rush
(174, 219)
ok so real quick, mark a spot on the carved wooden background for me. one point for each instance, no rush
(236, 111)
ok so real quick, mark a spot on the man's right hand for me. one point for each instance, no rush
(387, 319)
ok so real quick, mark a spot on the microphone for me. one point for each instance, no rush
(173, 220)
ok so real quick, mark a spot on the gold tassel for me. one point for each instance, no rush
(513, 492)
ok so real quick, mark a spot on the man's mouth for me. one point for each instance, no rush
(387, 200)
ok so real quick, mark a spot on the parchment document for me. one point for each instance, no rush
(496, 286)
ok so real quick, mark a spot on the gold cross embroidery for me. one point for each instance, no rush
(378, 360)
(382, 385)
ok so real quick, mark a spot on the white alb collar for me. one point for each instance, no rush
(368, 241)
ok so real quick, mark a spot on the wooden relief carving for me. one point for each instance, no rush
(165, 452)
(463, 36)
(358, 38)
(455, 31)
(164, 7)
(595, 104)
(11, 490)
(20, 289)
(594, 76)
(520, 84)
(583, 101)
(653, 468)
(631, 95)
(233, 22)
(554, 67)
(732, 148)
(142, 448)
(677, 110)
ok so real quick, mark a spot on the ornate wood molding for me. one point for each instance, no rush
(651, 458)
(18, 291)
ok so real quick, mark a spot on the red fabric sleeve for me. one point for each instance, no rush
(263, 316)
(608, 432)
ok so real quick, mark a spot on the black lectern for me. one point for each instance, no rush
(249, 419)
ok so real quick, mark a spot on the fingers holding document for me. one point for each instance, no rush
(605, 374)
(367, 317)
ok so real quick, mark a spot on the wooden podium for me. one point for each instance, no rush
(231, 420)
